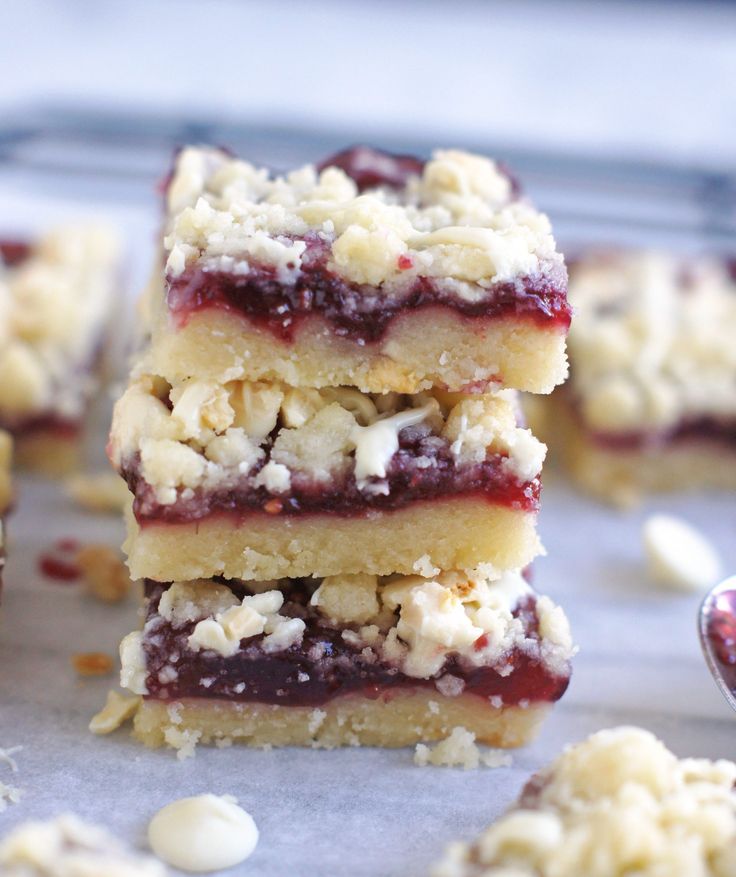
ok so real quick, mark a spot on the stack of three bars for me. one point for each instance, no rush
(333, 500)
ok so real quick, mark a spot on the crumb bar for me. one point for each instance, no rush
(346, 660)
(387, 274)
(651, 403)
(262, 481)
(56, 297)
(616, 805)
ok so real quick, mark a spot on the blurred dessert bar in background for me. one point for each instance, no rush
(651, 400)
(382, 273)
(6, 490)
(56, 299)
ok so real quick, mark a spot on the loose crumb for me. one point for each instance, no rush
(92, 664)
(459, 750)
(105, 574)
(117, 710)
(100, 492)
(9, 794)
(68, 847)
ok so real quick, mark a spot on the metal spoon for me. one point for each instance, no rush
(717, 629)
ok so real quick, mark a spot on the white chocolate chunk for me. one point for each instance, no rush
(678, 555)
(203, 833)
(117, 710)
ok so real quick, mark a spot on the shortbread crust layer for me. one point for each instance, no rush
(308, 644)
(455, 533)
(435, 346)
(403, 720)
(319, 280)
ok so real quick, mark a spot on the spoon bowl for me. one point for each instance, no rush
(717, 629)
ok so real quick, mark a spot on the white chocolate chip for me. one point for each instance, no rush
(678, 555)
(203, 833)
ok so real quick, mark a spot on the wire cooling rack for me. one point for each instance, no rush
(117, 156)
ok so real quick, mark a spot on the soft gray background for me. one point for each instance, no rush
(651, 83)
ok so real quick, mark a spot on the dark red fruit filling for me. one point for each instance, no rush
(371, 168)
(360, 313)
(14, 252)
(699, 429)
(46, 423)
(323, 666)
(722, 635)
(407, 482)
(59, 562)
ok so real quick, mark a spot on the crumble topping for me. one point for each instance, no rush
(68, 847)
(651, 345)
(459, 221)
(53, 309)
(459, 750)
(117, 710)
(201, 435)
(616, 804)
(408, 622)
(678, 556)
(203, 833)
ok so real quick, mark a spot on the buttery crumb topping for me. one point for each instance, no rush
(459, 221)
(651, 345)
(53, 309)
(409, 622)
(615, 805)
(68, 847)
(198, 434)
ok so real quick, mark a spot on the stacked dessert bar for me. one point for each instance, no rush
(332, 498)
(651, 402)
(56, 297)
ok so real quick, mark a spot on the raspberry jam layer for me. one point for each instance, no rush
(407, 481)
(703, 429)
(323, 666)
(13, 252)
(360, 313)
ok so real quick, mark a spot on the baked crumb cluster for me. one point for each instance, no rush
(651, 345)
(459, 221)
(409, 622)
(68, 847)
(198, 434)
(54, 305)
(616, 805)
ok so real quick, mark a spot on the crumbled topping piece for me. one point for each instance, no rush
(459, 222)
(679, 557)
(280, 435)
(223, 632)
(105, 574)
(68, 847)
(617, 804)
(101, 492)
(459, 750)
(203, 833)
(92, 664)
(133, 663)
(117, 710)
(9, 794)
(348, 599)
(651, 345)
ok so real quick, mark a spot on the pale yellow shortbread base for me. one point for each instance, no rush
(48, 452)
(422, 349)
(623, 476)
(403, 719)
(459, 533)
